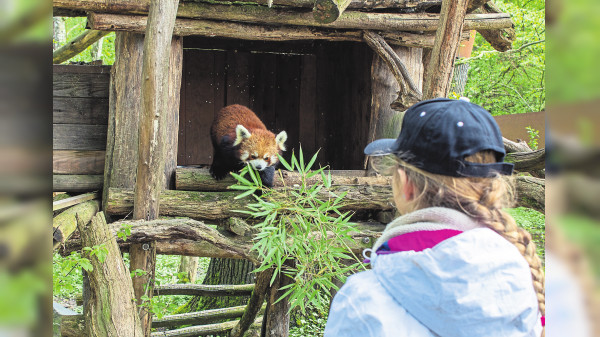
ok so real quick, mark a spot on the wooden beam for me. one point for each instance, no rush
(199, 179)
(254, 32)
(277, 16)
(198, 318)
(528, 161)
(204, 290)
(447, 40)
(78, 137)
(77, 45)
(200, 330)
(500, 39)
(109, 310)
(76, 183)
(77, 162)
(72, 201)
(327, 11)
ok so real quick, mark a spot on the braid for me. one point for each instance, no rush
(484, 200)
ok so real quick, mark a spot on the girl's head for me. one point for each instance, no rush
(450, 154)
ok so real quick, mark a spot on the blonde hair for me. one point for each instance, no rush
(483, 199)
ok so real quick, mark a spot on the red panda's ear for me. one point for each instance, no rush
(280, 140)
(241, 133)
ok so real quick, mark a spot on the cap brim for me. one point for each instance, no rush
(380, 147)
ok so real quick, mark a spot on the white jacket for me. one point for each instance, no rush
(473, 284)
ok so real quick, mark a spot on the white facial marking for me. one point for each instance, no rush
(274, 159)
(258, 164)
(244, 155)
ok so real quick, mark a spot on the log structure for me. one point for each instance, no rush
(77, 45)
(65, 223)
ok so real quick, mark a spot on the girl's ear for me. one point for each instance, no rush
(408, 188)
(241, 133)
(280, 140)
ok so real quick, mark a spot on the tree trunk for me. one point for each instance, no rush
(188, 265)
(143, 257)
(109, 310)
(254, 304)
(277, 318)
(531, 192)
(447, 39)
(59, 35)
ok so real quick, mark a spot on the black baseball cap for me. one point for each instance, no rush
(438, 134)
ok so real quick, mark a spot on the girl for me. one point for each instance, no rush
(454, 264)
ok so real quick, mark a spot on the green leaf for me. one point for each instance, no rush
(245, 194)
(285, 163)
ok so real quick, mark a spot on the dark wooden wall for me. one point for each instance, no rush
(319, 93)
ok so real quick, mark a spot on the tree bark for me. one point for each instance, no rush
(447, 40)
(59, 35)
(531, 192)
(64, 224)
(143, 257)
(511, 146)
(276, 322)
(76, 183)
(500, 39)
(201, 330)
(205, 290)
(77, 45)
(528, 161)
(198, 318)
(110, 310)
(276, 16)
(327, 11)
(249, 31)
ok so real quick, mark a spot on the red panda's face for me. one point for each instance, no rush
(260, 148)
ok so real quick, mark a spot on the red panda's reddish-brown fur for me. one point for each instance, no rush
(255, 144)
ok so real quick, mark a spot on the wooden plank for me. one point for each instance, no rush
(198, 106)
(238, 77)
(181, 144)
(79, 110)
(76, 183)
(77, 162)
(204, 290)
(80, 84)
(68, 202)
(295, 47)
(173, 107)
(262, 91)
(307, 105)
(287, 96)
(79, 137)
(80, 69)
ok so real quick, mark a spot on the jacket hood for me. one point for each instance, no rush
(473, 284)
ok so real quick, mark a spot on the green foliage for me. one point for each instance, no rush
(533, 137)
(66, 274)
(312, 323)
(584, 232)
(303, 235)
(513, 81)
(124, 231)
(74, 27)
(535, 223)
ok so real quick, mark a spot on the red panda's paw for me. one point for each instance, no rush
(218, 173)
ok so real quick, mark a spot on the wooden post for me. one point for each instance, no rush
(150, 178)
(447, 40)
(276, 322)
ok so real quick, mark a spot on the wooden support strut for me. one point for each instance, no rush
(77, 45)
(409, 92)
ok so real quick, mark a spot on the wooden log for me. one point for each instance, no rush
(276, 16)
(527, 161)
(500, 39)
(409, 92)
(72, 201)
(222, 205)
(188, 266)
(199, 179)
(327, 11)
(511, 146)
(254, 303)
(193, 238)
(277, 314)
(198, 318)
(77, 45)
(78, 8)
(79, 110)
(201, 330)
(78, 137)
(531, 192)
(77, 162)
(76, 183)
(447, 40)
(475, 4)
(248, 31)
(204, 290)
(109, 310)
(143, 257)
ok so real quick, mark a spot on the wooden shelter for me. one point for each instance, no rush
(334, 74)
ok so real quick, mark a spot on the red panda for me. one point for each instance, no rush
(239, 137)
